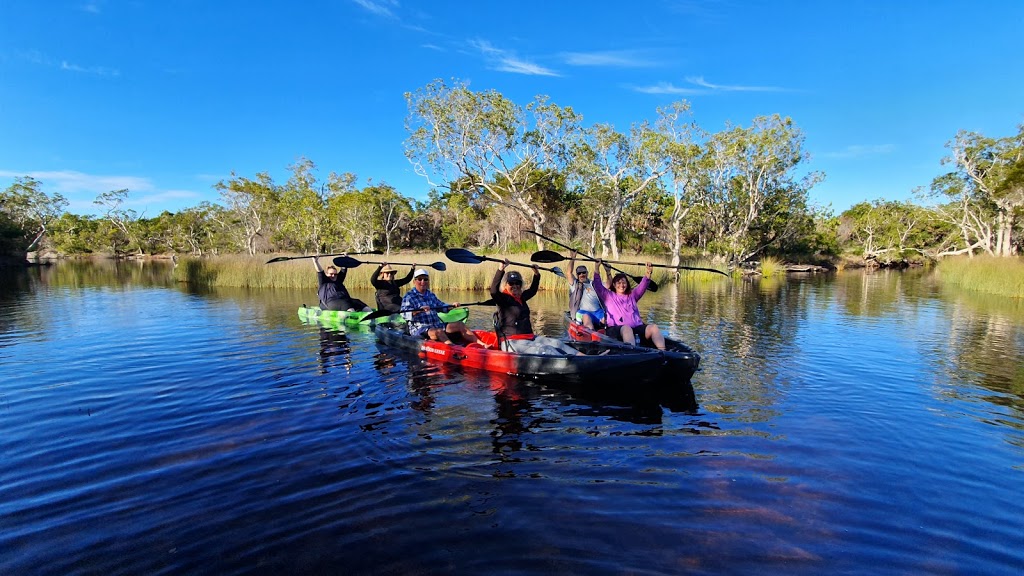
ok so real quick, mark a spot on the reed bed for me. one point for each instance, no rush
(254, 272)
(988, 274)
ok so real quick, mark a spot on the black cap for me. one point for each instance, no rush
(581, 269)
(513, 277)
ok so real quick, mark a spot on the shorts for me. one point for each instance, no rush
(596, 316)
(639, 334)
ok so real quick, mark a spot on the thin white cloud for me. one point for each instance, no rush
(71, 182)
(92, 7)
(166, 196)
(379, 7)
(700, 81)
(613, 59)
(668, 88)
(432, 47)
(505, 61)
(96, 70)
(860, 150)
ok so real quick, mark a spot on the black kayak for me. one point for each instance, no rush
(681, 361)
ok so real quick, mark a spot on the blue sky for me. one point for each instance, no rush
(166, 98)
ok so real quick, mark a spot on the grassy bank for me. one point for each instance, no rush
(988, 274)
(253, 272)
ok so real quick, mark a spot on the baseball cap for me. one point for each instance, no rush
(420, 272)
(513, 277)
(581, 269)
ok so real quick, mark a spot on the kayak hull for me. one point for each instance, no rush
(680, 361)
(345, 319)
(590, 364)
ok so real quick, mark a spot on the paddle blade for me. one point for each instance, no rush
(279, 259)
(558, 271)
(439, 266)
(376, 314)
(346, 262)
(462, 256)
(546, 256)
(652, 286)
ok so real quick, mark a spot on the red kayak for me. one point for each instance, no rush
(680, 360)
(595, 361)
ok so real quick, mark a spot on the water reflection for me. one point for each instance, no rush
(334, 350)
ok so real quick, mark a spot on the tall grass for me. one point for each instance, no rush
(771, 266)
(988, 274)
(254, 272)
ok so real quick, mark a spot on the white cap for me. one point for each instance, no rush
(420, 272)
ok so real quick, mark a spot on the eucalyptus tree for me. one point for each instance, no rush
(306, 225)
(390, 210)
(253, 205)
(749, 176)
(992, 174)
(28, 212)
(492, 143)
(885, 231)
(615, 168)
(125, 227)
(682, 147)
(75, 234)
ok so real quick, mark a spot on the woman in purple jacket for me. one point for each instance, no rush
(621, 312)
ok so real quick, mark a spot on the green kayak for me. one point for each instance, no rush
(343, 318)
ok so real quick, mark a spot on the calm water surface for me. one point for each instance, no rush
(858, 424)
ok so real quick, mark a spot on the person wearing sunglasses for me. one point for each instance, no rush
(584, 305)
(424, 321)
(512, 320)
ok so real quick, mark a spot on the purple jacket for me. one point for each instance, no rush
(621, 308)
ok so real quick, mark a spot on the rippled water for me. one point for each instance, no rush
(856, 424)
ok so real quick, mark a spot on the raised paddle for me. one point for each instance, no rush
(463, 256)
(550, 256)
(283, 258)
(383, 313)
(347, 262)
(616, 261)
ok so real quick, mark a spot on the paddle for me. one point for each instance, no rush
(548, 253)
(383, 313)
(549, 256)
(556, 257)
(346, 262)
(283, 258)
(463, 256)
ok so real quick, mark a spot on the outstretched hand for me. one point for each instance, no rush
(650, 268)
(504, 264)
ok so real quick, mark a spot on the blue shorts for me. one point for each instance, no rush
(596, 316)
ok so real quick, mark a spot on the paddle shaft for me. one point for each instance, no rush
(585, 257)
(511, 263)
(285, 258)
(652, 283)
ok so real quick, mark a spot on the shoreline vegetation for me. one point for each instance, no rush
(502, 175)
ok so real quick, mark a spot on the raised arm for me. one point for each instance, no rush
(534, 285)
(407, 278)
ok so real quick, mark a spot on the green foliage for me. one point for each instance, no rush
(25, 214)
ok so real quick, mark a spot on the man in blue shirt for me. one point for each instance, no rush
(425, 322)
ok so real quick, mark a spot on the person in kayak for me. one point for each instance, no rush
(622, 313)
(515, 331)
(422, 319)
(332, 291)
(388, 296)
(584, 305)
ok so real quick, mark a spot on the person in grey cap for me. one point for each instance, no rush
(515, 332)
(584, 305)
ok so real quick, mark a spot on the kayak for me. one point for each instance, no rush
(344, 318)
(680, 360)
(597, 361)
